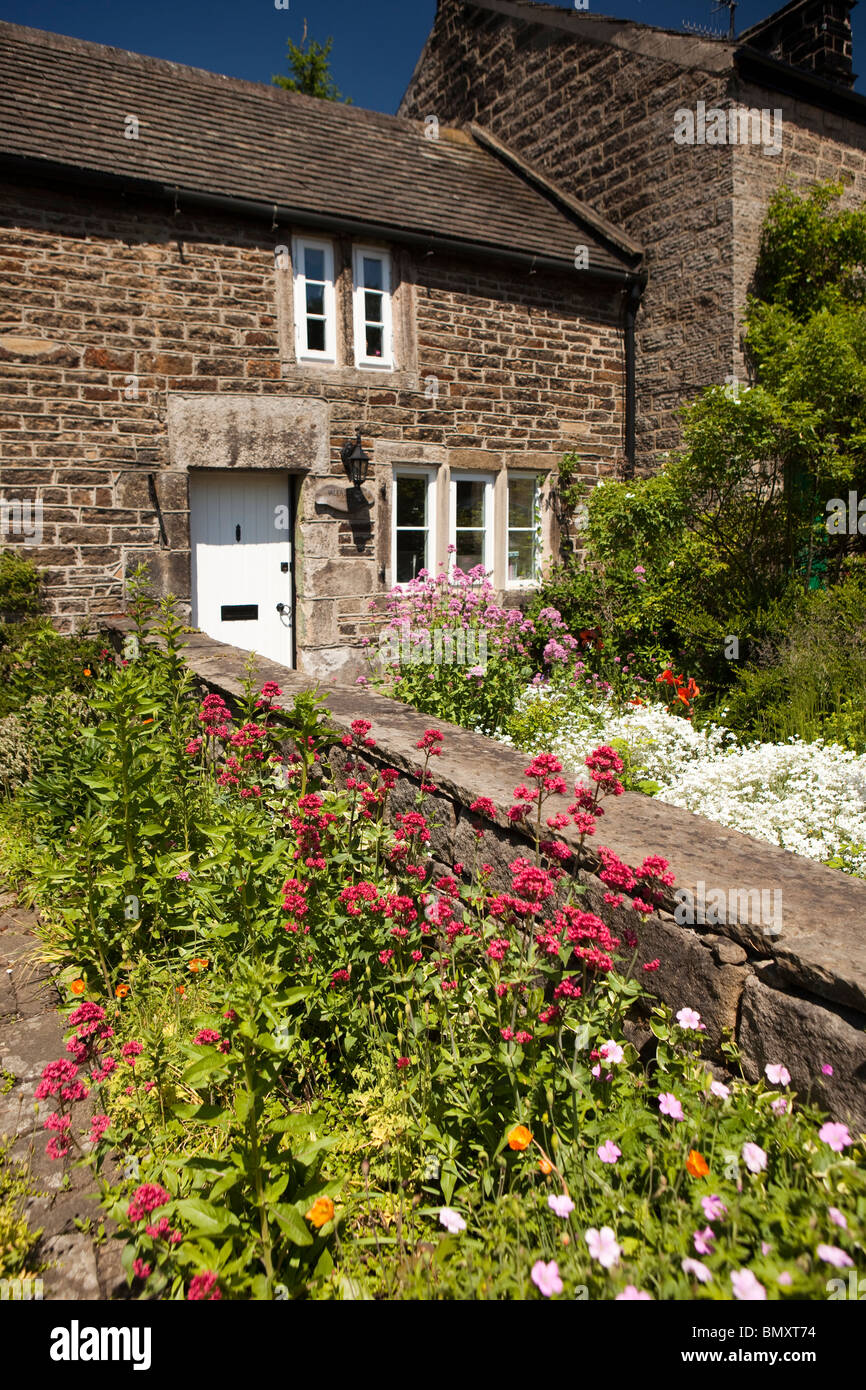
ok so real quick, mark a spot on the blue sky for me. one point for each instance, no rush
(376, 42)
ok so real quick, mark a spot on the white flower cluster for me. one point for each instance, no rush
(809, 798)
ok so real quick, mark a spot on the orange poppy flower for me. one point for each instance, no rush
(519, 1138)
(78, 986)
(121, 991)
(545, 1166)
(697, 1165)
(179, 989)
(87, 671)
(198, 963)
(321, 1212)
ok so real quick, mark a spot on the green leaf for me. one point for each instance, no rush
(204, 1114)
(293, 1124)
(205, 1067)
(292, 1223)
(204, 1215)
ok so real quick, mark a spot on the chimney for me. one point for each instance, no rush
(811, 34)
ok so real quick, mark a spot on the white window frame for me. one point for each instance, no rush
(402, 471)
(386, 361)
(532, 583)
(488, 521)
(302, 351)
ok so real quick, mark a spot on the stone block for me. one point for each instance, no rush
(776, 1027)
(338, 578)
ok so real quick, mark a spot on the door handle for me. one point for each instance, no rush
(281, 608)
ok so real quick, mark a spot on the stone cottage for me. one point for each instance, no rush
(284, 351)
(677, 138)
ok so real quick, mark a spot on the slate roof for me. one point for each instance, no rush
(63, 102)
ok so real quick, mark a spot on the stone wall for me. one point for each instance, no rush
(791, 989)
(137, 343)
(592, 102)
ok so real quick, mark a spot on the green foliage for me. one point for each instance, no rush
(808, 681)
(811, 255)
(730, 538)
(19, 586)
(17, 1240)
(310, 70)
(314, 1048)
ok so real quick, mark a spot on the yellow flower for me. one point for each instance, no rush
(519, 1138)
(121, 991)
(198, 963)
(321, 1212)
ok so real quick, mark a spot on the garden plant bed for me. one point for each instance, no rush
(359, 1007)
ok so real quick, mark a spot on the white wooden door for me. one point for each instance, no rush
(241, 548)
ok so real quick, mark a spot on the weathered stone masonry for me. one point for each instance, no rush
(124, 332)
(592, 102)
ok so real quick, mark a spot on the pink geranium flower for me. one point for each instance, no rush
(746, 1287)
(834, 1256)
(777, 1074)
(669, 1105)
(561, 1204)
(704, 1240)
(546, 1278)
(754, 1158)
(630, 1294)
(837, 1217)
(603, 1246)
(719, 1089)
(608, 1151)
(836, 1135)
(700, 1271)
(714, 1207)
(690, 1019)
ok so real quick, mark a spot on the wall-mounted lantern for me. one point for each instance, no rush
(355, 461)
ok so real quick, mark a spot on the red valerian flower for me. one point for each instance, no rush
(402, 1063)
(204, 1287)
(145, 1199)
(497, 948)
(429, 743)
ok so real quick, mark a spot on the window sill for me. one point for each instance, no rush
(351, 375)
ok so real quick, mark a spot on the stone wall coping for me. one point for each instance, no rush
(822, 943)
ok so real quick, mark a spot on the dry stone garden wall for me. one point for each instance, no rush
(788, 984)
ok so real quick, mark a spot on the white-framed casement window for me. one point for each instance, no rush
(523, 531)
(471, 529)
(315, 300)
(413, 523)
(372, 308)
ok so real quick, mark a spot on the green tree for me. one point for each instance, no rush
(310, 70)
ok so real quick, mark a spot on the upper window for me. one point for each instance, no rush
(523, 530)
(413, 540)
(472, 520)
(315, 302)
(372, 273)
